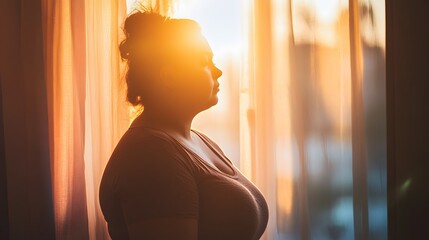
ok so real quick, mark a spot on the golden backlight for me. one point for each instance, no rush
(284, 115)
(221, 22)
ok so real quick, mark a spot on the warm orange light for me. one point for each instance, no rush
(63, 117)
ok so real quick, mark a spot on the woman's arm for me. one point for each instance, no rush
(164, 229)
(158, 193)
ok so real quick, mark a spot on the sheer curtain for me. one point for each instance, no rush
(310, 99)
(312, 117)
(301, 106)
(88, 112)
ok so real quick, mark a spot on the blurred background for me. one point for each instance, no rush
(302, 109)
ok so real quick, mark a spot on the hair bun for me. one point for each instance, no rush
(138, 27)
(124, 49)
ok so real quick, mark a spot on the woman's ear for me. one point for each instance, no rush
(167, 77)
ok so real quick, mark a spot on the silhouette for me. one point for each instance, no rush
(165, 180)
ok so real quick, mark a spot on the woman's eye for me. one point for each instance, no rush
(205, 61)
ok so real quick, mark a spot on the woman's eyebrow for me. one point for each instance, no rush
(209, 54)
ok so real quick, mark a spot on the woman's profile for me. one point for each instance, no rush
(165, 180)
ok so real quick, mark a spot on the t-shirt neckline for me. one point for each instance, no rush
(198, 158)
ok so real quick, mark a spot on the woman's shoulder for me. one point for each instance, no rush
(144, 139)
(147, 147)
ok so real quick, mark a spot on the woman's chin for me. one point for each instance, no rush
(212, 102)
(215, 100)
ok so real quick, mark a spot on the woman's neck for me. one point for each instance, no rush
(172, 122)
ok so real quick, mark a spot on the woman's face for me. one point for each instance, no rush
(197, 77)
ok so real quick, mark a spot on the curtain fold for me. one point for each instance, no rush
(24, 118)
(106, 110)
(88, 113)
(259, 109)
(360, 175)
(65, 57)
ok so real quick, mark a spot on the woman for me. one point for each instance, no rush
(164, 180)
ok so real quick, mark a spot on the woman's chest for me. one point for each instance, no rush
(231, 207)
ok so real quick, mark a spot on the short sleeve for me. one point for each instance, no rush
(158, 182)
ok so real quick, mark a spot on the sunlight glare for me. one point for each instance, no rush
(220, 21)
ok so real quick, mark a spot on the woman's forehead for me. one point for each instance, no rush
(198, 44)
(189, 46)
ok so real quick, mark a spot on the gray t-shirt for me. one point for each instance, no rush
(150, 175)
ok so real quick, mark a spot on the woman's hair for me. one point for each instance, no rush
(151, 41)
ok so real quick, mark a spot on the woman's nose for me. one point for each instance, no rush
(216, 72)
